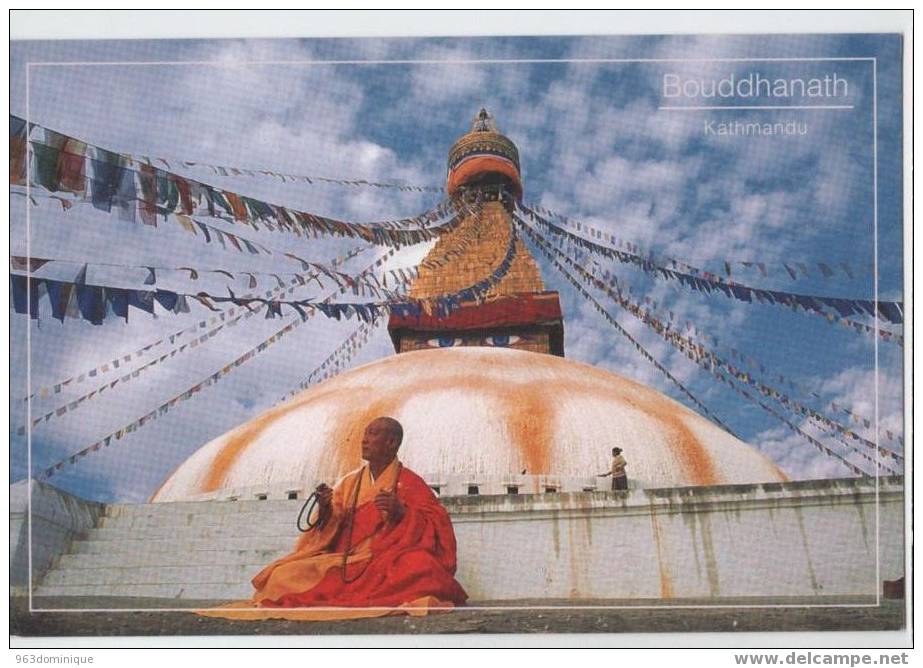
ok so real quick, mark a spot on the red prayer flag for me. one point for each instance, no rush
(237, 206)
(148, 204)
(18, 159)
(185, 193)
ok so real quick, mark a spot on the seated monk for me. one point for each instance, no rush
(382, 544)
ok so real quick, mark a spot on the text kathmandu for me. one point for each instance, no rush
(754, 85)
(754, 129)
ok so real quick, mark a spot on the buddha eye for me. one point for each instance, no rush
(501, 340)
(444, 342)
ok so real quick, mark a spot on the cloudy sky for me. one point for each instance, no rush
(595, 147)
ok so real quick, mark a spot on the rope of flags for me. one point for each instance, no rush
(210, 233)
(338, 360)
(119, 360)
(794, 270)
(190, 345)
(71, 406)
(231, 241)
(810, 439)
(94, 303)
(63, 164)
(165, 407)
(284, 177)
(830, 318)
(621, 288)
(707, 359)
(441, 305)
(371, 284)
(707, 283)
(721, 377)
(877, 463)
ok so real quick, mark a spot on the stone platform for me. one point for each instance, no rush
(500, 617)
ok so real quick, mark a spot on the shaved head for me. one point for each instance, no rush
(394, 428)
(380, 441)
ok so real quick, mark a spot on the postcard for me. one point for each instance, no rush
(441, 335)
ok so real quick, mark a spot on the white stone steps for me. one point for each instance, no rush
(213, 532)
(203, 507)
(287, 518)
(144, 522)
(159, 574)
(122, 559)
(140, 544)
(199, 592)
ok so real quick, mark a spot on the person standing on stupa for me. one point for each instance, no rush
(619, 477)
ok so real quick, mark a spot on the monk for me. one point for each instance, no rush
(382, 544)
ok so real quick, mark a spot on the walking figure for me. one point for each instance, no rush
(619, 477)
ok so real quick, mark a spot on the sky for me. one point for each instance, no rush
(594, 146)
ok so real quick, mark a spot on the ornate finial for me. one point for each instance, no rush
(483, 156)
(484, 122)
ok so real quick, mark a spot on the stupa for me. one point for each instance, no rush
(488, 401)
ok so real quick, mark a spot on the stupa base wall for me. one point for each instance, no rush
(812, 539)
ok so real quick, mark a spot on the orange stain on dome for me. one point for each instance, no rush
(241, 438)
(529, 422)
(694, 458)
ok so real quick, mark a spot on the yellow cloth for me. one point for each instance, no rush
(245, 611)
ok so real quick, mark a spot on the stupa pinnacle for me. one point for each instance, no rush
(517, 311)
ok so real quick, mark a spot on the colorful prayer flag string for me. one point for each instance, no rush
(224, 170)
(792, 269)
(114, 179)
(892, 311)
(94, 302)
(338, 359)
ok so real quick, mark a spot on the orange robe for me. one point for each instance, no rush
(403, 567)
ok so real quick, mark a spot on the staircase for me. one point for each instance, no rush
(197, 551)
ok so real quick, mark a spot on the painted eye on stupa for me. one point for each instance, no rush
(444, 342)
(501, 340)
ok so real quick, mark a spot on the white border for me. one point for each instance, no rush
(173, 22)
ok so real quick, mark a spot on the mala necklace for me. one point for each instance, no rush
(307, 510)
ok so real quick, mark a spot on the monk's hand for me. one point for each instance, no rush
(390, 506)
(324, 497)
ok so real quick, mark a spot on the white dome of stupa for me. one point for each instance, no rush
(488, 417)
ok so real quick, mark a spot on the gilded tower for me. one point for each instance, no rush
(484, 178)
